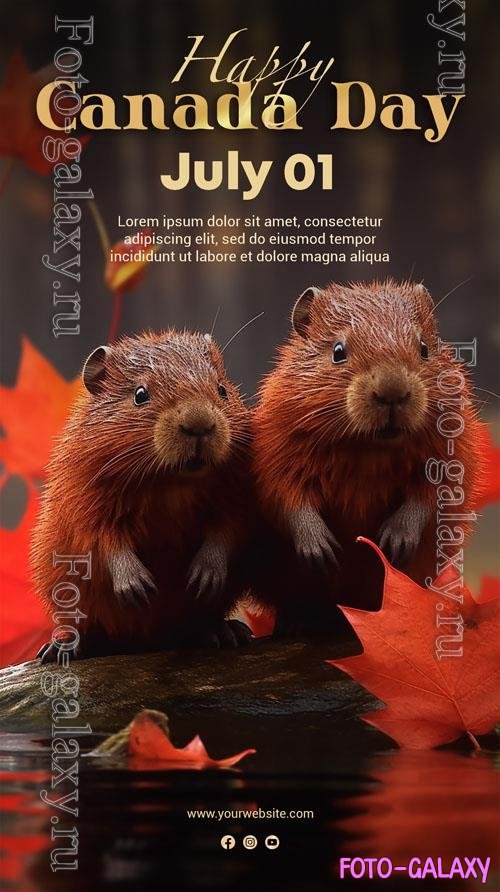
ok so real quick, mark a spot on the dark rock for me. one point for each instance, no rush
(269, 687)
(268, 678)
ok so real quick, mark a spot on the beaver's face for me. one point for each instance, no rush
(375, 351)
(389, 398)
(193, 434)
(166, 404)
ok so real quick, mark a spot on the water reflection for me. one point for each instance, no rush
(24, 825)
(136, 836)
(438, 804)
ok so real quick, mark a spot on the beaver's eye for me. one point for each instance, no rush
(223, 392)
(424, 350)
(141, 396)
(339, 352)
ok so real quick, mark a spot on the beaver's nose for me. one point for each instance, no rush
(391, 396)
(199, 429)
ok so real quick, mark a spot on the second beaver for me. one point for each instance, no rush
(345, 425)
(145, 497)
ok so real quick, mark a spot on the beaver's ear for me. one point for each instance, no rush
(301, 313)
(424, 296)
(210, 348)
(94, 370)
(213, 353)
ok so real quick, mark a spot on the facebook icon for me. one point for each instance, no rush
(228, 842)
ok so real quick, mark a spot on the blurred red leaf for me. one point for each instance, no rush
(149, 743)
(32, 413)
(24, 625)
(490, 589)
(124, 275)
(261, 622)
(491, 483)
(428, 701)
(22, 134)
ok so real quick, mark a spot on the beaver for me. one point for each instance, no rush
(148, 478)
(343, 429)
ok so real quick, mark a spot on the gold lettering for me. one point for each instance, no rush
(242, 102)
(343, 94)
(199, 106)
(280, 113)
(407, 108)
(43, 109)
(198, 39)
(105, 107)
(136, 113)
(441, 119)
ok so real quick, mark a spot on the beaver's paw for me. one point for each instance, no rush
(400, 535)
(238, 632)
(52, 651)
(313, 540)
(132, 582)
(208, 571)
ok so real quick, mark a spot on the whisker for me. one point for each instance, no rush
(448, 293)
(230, 341)
(489, 392)
(330, 408)
(115, 459)
(214, 323)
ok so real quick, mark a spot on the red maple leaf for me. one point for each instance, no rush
(32, 414)
(429, 701)
(22, 134)
(491, 483)
(148, 744)
(24, 625)
(490, 589)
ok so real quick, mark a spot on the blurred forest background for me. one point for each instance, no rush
(439, 202)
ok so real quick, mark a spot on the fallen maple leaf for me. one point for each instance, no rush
(32, 414)
(24, 625)
(146, 742)
(428, 701)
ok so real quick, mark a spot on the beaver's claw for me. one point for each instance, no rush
(49, 652)
(313, 540)
(208, 571)
(132, 582)
(400, 535)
